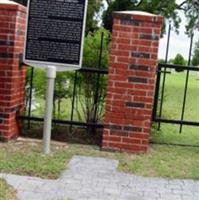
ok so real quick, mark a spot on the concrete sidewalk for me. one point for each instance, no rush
(91, 178)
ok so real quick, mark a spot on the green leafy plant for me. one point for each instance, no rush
(92, 87)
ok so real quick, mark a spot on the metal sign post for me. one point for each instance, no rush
(51, 75)
(54, 41)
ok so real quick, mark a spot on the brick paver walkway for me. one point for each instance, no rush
(97, 179)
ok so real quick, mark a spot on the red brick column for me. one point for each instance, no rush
(131, 84)
(12, 76)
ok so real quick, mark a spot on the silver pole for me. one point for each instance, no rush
(51, 75)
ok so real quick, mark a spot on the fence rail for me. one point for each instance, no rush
(63, 122)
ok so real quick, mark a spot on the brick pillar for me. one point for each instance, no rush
(131, 81)
(12, 76)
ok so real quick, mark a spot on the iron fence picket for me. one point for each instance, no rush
(30, 96)
(186, 84)
(158, 79)
(96, 98)
(164, 75)
(73, 99)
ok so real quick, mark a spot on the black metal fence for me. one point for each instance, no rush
(97, 73)
(157, 112)
(165, 70)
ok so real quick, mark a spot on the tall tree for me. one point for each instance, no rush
(179, 60)
(169, 9)
(195, 59)
(93, 8)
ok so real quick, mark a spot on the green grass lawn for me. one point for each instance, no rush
(161, 161)
(172, 108)
(6, 192)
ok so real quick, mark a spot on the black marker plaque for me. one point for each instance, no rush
(55, 31)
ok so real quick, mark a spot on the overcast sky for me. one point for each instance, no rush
(179, 43)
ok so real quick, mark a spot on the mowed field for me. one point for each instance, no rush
(172, 109)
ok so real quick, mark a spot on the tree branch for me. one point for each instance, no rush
(180, 6)
(139, 3)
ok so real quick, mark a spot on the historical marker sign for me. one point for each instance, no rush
(55, 32)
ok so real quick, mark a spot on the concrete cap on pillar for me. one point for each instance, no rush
(135, 13)
(12, 6)
(138, 15)
(8, 2)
